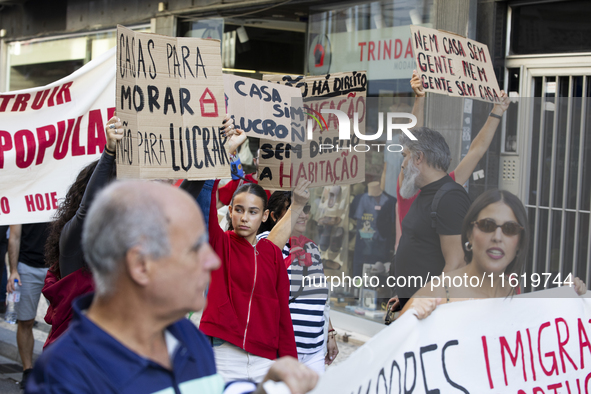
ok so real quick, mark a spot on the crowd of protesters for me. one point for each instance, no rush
(128, 260)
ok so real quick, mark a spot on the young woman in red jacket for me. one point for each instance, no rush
(247, 314)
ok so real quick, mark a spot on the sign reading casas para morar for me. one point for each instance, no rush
(315, 152)
(170, 99)
(454, 65)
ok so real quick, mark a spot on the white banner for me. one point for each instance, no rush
(48, 134)
(517, 346)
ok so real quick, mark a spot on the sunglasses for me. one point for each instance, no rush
(489, 226)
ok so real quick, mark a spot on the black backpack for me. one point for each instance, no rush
(438, 196)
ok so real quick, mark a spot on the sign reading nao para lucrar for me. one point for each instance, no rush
(170, 99)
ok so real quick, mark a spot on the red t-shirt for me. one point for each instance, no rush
(405, 203)
(227, 191)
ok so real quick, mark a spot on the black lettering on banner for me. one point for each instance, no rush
(452, 383)
(408, 355)
(423, 350)
(137, 90)
(125, 95)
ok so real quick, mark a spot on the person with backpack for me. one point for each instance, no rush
(431, 241)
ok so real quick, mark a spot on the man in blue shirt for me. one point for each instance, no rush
(147, 248)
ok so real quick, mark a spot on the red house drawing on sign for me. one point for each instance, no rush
(210, 99)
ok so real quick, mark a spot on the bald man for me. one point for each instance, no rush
(147, 248)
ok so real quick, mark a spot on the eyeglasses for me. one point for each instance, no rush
(307, 209)
(489, 226)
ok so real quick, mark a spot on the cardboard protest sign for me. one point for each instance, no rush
(170, 99)
(317, 152)
(261, 109)
(454, 65)
(504, 345)
(48, 134)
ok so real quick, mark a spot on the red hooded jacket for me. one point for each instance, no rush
(248, 297)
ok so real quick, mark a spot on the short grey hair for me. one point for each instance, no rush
(122, 217)
(432, 144)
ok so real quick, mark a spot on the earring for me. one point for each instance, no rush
(468, 246)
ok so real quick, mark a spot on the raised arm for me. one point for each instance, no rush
(71, 258)
(481, 142)
(280, 234)
(418, 108)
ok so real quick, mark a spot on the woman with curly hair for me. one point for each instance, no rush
(68, 276)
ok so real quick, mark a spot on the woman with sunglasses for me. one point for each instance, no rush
(495, 237)
(308, 296)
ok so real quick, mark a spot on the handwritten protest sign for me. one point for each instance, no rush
(454, 65)
(508, 345)
(261, 109)
(48, 134)
(316, 152)
(170, 99)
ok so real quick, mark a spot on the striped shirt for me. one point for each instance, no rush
(307, 307)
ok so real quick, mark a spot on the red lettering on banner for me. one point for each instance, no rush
(531, 354)
(41, 202)
(549, 354)
(487, 361)
(63, 138)
(96, 132)
(30, 203)
(25, 152)
(77, 150)
(63, 96)
(20, 103)
(50, 102)
(561, 344)
(514, 358)
(4, 205)
(45, 141)
(5, 145)
(582, 344)
(5, 99)
(40, 99)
